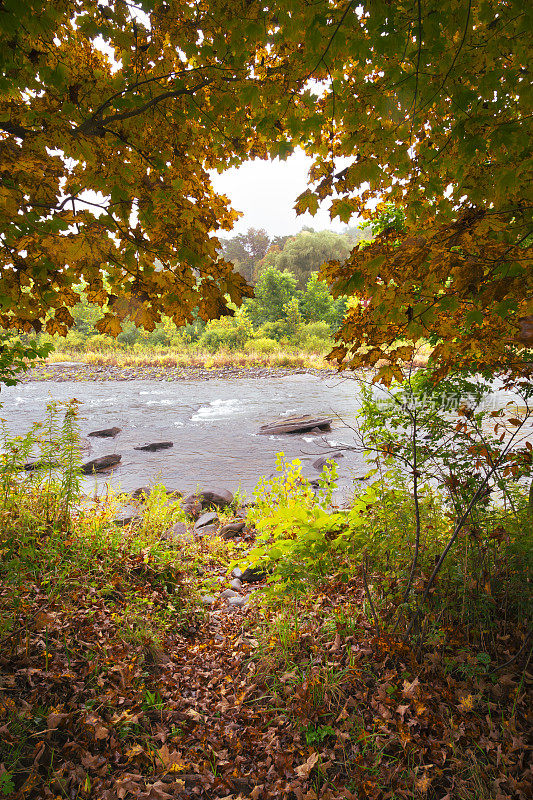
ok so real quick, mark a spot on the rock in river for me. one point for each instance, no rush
(101, 464)
(152, 448)
(321, 462)
(106, 433)
(296, 425)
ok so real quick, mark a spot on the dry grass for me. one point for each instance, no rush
(195, 359)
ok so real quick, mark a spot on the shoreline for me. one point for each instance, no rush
(60, 373)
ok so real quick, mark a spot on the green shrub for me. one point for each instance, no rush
(261, 345)
(316, 330)
(314, 344)
(100, 343)
(224, 334)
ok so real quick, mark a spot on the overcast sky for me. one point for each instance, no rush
(266, 192)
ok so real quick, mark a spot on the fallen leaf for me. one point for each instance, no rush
(304, 770)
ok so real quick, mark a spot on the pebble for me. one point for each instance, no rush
(207, 600)
(66, 372)
(237, 602)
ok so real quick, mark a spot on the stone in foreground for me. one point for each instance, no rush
(102, 464)
(127, 515)
(303, 424)
(209, 518)
(232, 529)
(106, 433)
(252, 575)
(210, 497)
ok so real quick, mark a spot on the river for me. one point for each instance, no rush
(213, 425)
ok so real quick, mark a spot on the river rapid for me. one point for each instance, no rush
(213, 426)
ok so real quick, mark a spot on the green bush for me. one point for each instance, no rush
(314, 344)
(223, 333)
(317, 330)
(261, 345)
(100, 343)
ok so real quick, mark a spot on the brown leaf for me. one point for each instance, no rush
(304, 770)
(410, 690)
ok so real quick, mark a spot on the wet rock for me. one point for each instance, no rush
(209, 518)
(102, 464)
(221, 498)
(321, 462)
(41, 464)
(302, 424)
(253, 575)
(232, 529)
(106, 433)
(152, 448)
(126, 516)
(236, 584)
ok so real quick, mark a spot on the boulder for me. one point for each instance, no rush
(41, 464)
(236, 602)
(140, 493)
(209, 518)
(236, 584)
(232, 529)
(321, 462)
(227, 593)
(207, 600)
(303, 424)
(207, 530)
(102, 464)
(106, 433)
(220, 498)
(126, 515)
(252, 575)
(152, 448)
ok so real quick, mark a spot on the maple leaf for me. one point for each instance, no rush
(304, 770)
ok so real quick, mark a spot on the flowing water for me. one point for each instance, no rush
(213, 426)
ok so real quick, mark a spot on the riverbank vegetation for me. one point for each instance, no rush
(291, 316)
(354, 670)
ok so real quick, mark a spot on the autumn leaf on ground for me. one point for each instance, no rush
(304, 770)
(171, 759)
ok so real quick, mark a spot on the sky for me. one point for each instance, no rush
(266, 192)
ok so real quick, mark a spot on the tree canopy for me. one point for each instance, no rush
(304, 253)
(422, 105)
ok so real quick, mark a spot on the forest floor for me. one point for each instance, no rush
(116, 681)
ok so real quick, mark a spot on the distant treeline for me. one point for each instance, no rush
(291, 308)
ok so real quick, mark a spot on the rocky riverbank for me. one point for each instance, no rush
(78, 371)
